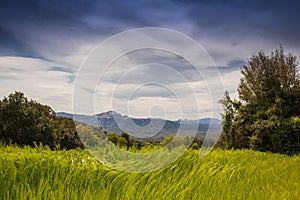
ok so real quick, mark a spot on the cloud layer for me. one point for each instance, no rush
(44, 43)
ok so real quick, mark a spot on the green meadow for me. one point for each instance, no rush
(39, 173)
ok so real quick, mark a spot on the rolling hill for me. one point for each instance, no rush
(147, 128)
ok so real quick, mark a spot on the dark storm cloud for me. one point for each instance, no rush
(237, 20)
(75, 19)
(18, 19)
(12, 46)
(233, 20)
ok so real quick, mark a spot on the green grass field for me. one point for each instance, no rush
(38, 173)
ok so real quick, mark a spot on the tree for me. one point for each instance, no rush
(126, 137)
(117, 140)
(230, 110)
(65, 134)
(266, 116)
(271, 80)
(26, 122)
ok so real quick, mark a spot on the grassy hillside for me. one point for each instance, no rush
(38, 173)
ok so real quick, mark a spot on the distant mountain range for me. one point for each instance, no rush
(147, 128)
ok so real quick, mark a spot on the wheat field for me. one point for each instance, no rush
(39, 173)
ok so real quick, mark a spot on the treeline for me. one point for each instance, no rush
(93, 137)
(27, 122)
(267, 115)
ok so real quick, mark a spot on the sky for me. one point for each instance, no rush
(53, 52)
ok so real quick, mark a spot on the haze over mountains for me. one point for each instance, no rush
(148, 128)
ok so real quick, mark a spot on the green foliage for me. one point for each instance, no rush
(195, 146)
(175, 141)
(230, 110)
(38, 173)
(117, 140)
(65, 134)
(167, 140)
(264, 118)
(25, 122)
(126, 137)
(93, 137)
(89, 135)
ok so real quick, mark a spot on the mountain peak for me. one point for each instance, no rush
(108, 114)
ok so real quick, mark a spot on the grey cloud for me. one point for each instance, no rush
(235, 21)
(71, 78)
(150, 65)
(232, 66)
(80, 19)
(12, 46)
(6, 77)
(162, 67)
(239, 21)
(151, 90)
(61, 69)
(39, 29)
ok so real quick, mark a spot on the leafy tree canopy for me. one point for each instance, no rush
(25, 122)
(266, 117)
